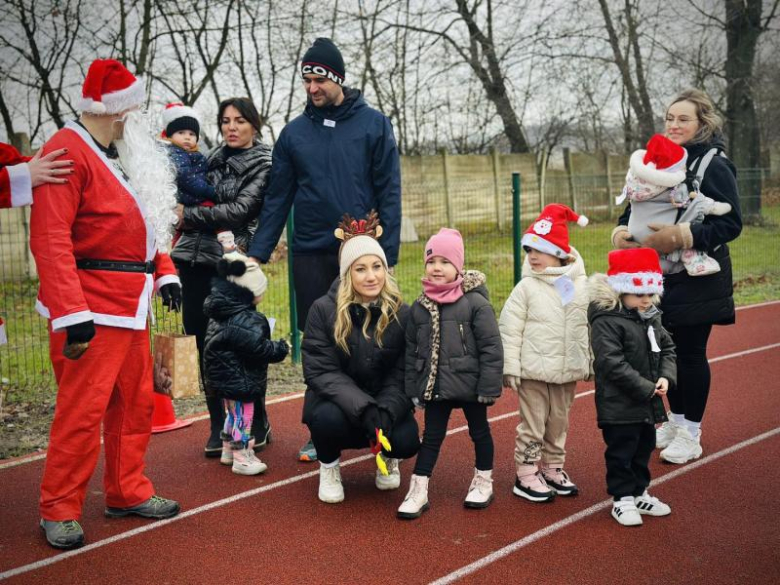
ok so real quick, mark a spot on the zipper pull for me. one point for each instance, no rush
(462, 338)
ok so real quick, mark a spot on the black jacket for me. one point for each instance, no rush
(701, 300)
(469, 351)
(625, 367)
(369, 375)
(237, 348)
(239, 182)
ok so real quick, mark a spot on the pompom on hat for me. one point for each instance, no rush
(176, 116)
(359, 238)
(635, 271)
(238, 269)
(550, 232)
(109, 88)
(662, 163)
(448, 243)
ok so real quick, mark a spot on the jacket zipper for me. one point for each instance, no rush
(197, 249)
(462, 338)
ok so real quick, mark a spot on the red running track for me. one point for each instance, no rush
(723, 528)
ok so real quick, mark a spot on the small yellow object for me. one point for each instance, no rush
(380, 463)
(383, 440)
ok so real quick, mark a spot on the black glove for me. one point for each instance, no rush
(371, 422)
(385, 421)
(171, 296)
(80, 332)
(281, 349)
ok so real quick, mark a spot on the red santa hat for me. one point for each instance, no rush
(550, 233)
(635, 271)
(110, 88)
(176, 116)
(663, 163)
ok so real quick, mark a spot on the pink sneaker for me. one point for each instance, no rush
(559, 481)
(531, 485)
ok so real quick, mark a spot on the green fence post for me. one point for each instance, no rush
(295, 336)
(516, 225)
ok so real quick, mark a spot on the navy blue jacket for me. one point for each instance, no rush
(191, 167)
(331, 161)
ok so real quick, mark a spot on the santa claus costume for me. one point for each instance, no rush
(15, 182)
(95, 241)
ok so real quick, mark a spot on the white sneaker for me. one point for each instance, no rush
(416, 500)
(246, 463)
(647, 504)
(481, 490)
(331, 491)
(391, 481)
(625, 513)
(683, 448)
(665, 434)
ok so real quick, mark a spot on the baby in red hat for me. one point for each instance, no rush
(544, 331)
(656, 188)
(634, 365)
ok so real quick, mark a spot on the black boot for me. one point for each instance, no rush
(261, 428)
(217, 416)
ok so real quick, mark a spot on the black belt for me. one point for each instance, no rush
(116, 265)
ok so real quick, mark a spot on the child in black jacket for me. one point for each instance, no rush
(634, 365)
(236, 354)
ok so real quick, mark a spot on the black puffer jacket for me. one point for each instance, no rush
(625, 366)
(467, 360)
(240, 183)
(369, 375)
(237, 348)
(701, 300)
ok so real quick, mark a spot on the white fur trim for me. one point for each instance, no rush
(176, 112)
(115, 102)
(21, 184)
(540, 244)
(72, 319)
(167, 279)
(624, 283)
(582, 221)
(654, 176)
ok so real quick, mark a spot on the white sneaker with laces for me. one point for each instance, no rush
(683, 448)
(651, 506)
(481, 490)
(416, 500)
(665, 434)
(391, 481)
(246, 463)
(625, 512)
(331, 491)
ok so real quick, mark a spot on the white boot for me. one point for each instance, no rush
(481, 490)
(227, 452)
(391, 481)
(683, 448)
(416, 500)
(331, 491)
(245, 462)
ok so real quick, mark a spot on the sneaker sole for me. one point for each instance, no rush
(413, 515)
(387, 487)
(331, 501)
(226, 461)
(249, 472)
(212, 453)
(477, 505)
(530, 498)
(649, 513)
(681, 460)
(122, 513)
(565, 492)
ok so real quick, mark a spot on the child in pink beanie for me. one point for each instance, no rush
(454, 359)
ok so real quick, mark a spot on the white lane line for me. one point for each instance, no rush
(743, 353)
(569, 520)
(758, 305)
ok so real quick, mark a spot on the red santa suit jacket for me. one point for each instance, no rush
(15, 183)
(96, 215)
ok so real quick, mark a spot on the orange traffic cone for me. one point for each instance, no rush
(164, 419)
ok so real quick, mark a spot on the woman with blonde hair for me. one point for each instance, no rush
(691, 305)
(353, 363)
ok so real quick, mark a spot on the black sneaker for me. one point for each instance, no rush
(213, 445)
(262, 439)
(155, 507)
(63, 535)
(534, 495)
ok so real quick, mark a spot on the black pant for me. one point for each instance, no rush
(689, 397)
(195, 287)
(332, 432)
(312, 275)
(437, 415)
(628, 454)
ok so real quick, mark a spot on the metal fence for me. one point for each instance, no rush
(481, 209)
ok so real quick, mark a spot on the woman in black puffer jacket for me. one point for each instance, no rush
(693, 304)
(239, 171)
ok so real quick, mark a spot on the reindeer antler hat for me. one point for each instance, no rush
(358, 238)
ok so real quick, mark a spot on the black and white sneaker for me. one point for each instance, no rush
(626, 513)
(534, 489)
(650, 506)
(558, 480)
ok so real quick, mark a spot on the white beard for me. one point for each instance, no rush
(151, 174)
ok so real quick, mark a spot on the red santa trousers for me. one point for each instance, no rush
(113, 383)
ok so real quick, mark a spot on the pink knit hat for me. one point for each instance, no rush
(448, 243)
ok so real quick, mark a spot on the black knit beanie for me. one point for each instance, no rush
(324, 58)
(183, 123)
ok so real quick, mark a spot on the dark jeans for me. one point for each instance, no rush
(437, 415)
(332, 432)
(690, 395)
(312, 276)
(195, 287)
(628, 454)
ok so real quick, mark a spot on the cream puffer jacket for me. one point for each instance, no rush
(543, 339)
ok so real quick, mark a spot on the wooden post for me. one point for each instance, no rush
(610, 195)
(570, 177)
(446, 173)
(496, 185)
(541, 176)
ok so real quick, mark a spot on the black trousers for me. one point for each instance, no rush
(312, 276)
(437, 415)
(628, 454)
(195, 287)
(690, 395)
(332, 432)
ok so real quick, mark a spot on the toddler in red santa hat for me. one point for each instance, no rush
(656, 187)
(634, 365)
(544, 330)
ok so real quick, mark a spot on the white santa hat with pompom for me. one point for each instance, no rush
(109, 88)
